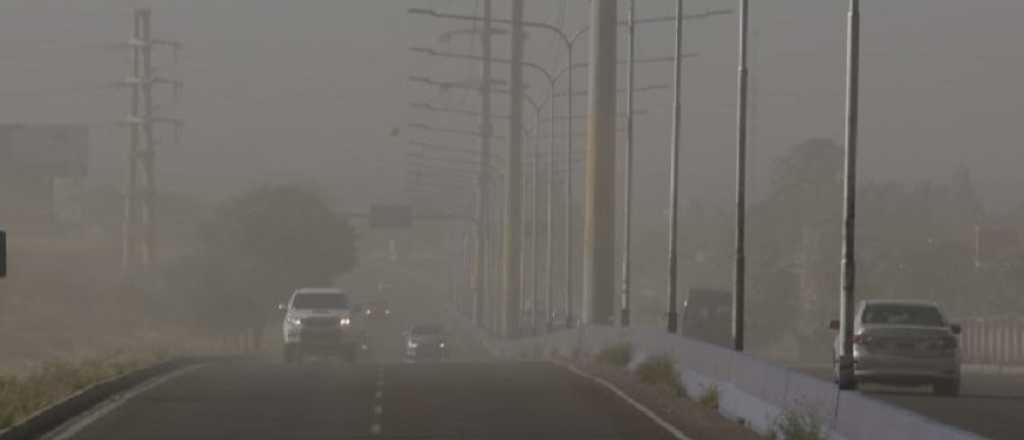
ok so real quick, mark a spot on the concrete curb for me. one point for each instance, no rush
(53, 416)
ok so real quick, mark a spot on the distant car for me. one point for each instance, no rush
(426, 342)
(319, 321)
(376, 310)
(901, 342)
(707, 316)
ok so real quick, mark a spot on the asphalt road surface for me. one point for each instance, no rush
(330, 400)
(469, 397)
(991, 405)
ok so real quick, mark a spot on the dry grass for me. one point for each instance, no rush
(660, 371)
(617, 355)
(20, 396)
(800, 425)
(710, 398)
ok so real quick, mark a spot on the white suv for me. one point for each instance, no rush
(318, 321)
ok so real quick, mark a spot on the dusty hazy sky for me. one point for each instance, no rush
(310, 89)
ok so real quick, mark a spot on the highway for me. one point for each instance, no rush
(471, 397)
(989, 404)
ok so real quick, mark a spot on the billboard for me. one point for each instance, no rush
(45, 150)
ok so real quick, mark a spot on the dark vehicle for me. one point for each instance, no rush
(318, 321)
(707, 316)
(426, 342)
(376, 310)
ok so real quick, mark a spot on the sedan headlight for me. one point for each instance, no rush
(344, 322)
(293, 321)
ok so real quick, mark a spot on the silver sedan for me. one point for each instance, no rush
(902, 342)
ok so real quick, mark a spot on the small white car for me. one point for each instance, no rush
(318, 320)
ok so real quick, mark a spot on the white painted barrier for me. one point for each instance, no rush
(753, 390)
(993, 340)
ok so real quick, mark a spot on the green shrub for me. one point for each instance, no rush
(660, 371)
(709, 399)
(800, 425)
(618, 355)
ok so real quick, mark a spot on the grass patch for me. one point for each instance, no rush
(20, 396)
(660, 371)
(709, 399)
(800, 425)
(618, 355)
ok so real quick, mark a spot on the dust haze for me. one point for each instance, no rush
(304, 106)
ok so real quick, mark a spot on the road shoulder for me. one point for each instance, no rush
(690, 417)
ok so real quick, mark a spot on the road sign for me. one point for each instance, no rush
(3, 254)
(994, 244)
(53, 150)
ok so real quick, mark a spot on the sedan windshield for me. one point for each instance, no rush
(903, 314)
(320, 301)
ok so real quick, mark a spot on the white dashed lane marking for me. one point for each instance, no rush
(378, 407)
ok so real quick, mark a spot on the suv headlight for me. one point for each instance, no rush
(344, 322)
(293, 321)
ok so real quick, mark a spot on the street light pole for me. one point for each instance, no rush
(846, 303)
(549, 260)
(599, 207)
(568, 202)
(628, 168)
(673, 215)
(535, 218)
(483, 201)
(514, 181)
(739, 266)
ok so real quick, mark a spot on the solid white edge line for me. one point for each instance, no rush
(106, 407)
(622, 394)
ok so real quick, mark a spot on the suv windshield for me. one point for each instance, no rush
(320, 301)
(903, 314)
